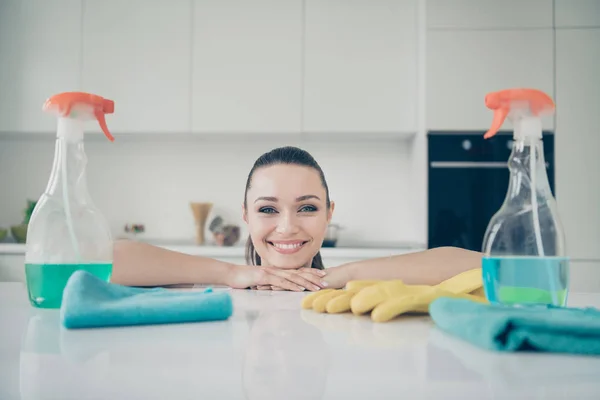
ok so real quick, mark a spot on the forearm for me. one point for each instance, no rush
(141, 264)
(428, 267)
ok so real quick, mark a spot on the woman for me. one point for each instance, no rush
(287, 209)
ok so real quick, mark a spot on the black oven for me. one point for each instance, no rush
(468, 179)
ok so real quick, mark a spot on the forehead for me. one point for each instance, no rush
(285, 181)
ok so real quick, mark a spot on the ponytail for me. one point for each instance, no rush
(252, 257)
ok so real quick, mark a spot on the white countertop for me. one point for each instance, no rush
(271, 349)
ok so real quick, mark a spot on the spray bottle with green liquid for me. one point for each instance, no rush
(67, 232)
(524, 254)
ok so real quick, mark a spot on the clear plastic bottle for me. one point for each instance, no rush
(67, 232)
(524, 254)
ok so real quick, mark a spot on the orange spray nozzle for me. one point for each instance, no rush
(64, 102)
(503, 101)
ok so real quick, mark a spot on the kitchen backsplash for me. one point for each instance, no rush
(151, 181)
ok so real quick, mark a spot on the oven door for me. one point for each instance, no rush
(468, 181)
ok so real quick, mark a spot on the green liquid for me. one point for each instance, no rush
(46, 282)
(526, 280)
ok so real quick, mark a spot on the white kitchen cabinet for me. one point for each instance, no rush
(12, 268)
(360, 66)
(40, 48)
(463, 66)
(578, 139)
(247, 66)
(585, 276)
(137, 53)
(489, 14)
(577, 13)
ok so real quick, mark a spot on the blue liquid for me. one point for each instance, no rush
(46, 282)
(526, 280)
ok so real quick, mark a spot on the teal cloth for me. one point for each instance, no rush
(89, 302)
(511, 329)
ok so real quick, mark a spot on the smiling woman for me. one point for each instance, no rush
(287, 209)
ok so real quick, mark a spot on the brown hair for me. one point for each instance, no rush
(290, 156)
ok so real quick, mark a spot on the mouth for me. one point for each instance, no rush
(288, 247)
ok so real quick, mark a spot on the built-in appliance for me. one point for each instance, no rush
(468, 181)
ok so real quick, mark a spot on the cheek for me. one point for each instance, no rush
(315, 227)
(260, 227)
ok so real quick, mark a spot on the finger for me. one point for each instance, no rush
(263, 287)
(273, 277)
(314, 279)
(313, 271)
(296, 278)
(277, 288)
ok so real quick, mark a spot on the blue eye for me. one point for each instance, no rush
(267, 210)
(308, 208)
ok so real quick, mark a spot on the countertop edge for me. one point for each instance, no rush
(238, 251)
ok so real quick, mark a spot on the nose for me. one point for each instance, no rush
(287, 223)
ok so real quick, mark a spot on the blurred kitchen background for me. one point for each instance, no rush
(388, 96)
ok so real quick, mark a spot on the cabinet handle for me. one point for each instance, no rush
(466, 164)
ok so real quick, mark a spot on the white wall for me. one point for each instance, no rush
(152, 180)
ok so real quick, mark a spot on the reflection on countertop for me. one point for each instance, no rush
(271, 349)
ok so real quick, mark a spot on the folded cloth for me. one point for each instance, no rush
(506, 328)
(91, 302)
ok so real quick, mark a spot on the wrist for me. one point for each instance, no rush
(231, 273)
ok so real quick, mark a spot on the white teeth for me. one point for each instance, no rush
(287, 246)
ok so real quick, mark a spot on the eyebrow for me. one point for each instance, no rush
(301, 198)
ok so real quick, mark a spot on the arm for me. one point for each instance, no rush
(141, 264)
(428, 267)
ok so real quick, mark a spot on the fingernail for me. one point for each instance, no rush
(324, 283)
(322, 273)
(316, 288)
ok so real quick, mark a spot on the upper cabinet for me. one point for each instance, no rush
(577, 140)
(360, 66)
(577, 13)
(464, 65)
(247, 66)
(489, 14)
(40, 43)
(137, 53)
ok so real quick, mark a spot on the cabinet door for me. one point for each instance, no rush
(40, 47)
(577, 13)
(137, 53)
(585, 276)
(463, 66)
(247, 60)
(12, 268)
(360, 66)
(578, 139)
(488, 14)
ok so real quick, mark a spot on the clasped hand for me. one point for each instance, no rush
(270, 278)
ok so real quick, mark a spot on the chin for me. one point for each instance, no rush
(286, 262)
(289, 261)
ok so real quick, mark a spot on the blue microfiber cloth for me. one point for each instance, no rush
(506, 328)
(90, 302)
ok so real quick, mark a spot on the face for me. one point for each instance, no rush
(287, 215)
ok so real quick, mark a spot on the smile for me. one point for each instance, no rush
(287, 247)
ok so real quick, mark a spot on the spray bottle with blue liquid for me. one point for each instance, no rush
(67, 232)
(524, 255)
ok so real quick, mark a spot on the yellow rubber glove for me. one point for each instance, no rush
(371, 297)
(417, 302)
(335, 300)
